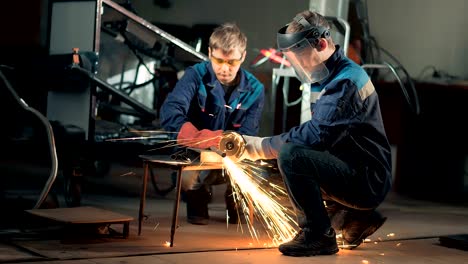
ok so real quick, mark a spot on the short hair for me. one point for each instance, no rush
(228, 37)
(315, 19)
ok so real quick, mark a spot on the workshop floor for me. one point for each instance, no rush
(412, 234)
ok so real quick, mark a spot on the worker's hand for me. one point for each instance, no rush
(257, 148)
(190, 136)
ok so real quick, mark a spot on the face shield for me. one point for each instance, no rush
(299, 48)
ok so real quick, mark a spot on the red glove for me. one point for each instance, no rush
(190, 136)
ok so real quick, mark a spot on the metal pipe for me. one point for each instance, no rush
(218, 151)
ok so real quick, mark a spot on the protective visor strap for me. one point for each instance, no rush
(301, 20)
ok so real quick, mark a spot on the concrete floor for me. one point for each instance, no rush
(411, 234)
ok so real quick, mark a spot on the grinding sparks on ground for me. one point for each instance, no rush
(341, 242)
(130, 173)
(167, 244)
(344, 246)
(156, 226)
(247, 189)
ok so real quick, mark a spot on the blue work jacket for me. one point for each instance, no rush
(198, 97)
(346, 122)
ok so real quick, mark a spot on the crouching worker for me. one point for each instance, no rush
(340, 156)
(211, 97)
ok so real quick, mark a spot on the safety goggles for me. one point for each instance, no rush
(231, 63)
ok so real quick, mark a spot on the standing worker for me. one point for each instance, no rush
(341, 156)
(212, 97)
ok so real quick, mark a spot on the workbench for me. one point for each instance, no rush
(179, 165)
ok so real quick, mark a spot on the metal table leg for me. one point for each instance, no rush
(175, 213)
(143, 195)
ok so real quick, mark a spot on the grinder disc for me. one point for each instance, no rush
(232, 144)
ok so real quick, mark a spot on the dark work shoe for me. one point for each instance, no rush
(197, 206)
(197, 220)
(360, 226)
(307, 244)
(197, 214)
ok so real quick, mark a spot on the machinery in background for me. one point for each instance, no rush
(68, 86)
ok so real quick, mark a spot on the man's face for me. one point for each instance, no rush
(226, 65)
(307, 58)
(307, 63)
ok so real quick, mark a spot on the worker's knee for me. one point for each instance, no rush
(287, 150)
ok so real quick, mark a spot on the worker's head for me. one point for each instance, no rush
(227, 51)
(306, 42)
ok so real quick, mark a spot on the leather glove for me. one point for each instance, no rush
(257, 148)
(190, 136)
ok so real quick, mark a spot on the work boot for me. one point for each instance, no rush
(360, 225)
(305, 243)
(197, 206)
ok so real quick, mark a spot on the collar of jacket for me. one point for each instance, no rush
(242, 86)
(331, 62)
(209, 83)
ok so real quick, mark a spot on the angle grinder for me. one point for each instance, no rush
(233, 144)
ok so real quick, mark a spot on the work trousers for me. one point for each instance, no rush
(196, 179)
(311, 176)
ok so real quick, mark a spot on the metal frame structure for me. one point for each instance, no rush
(144, 24)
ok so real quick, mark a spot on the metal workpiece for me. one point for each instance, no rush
(218, 151)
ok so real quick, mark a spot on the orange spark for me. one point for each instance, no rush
(248, 190)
